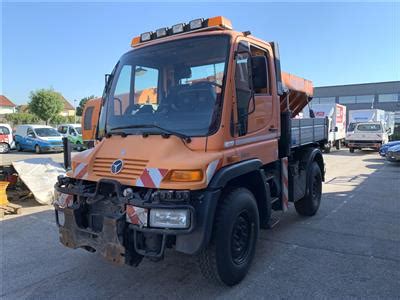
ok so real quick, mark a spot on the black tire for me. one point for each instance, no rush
(18, 146)
(327, 148)
(309, 204)
(338, 145)
(79, 146)
(351, 150)
(37, 149)
(4, 148)
(228, 257)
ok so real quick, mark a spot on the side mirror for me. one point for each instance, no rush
(259, 72)
(106, 79)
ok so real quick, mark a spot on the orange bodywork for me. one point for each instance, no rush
(90, 118)
(145, 156)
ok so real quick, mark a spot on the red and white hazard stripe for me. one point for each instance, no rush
(65, 200)
(285, 183)
(80, 171)
(151, 177)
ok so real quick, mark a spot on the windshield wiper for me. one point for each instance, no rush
(184, 137)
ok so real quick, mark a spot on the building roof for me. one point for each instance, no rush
(67, 105)
(4, 101)
(387, 87)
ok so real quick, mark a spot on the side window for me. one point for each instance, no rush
(146, 83)
(243, 90)
(259, 52)
(71, 130)
(30, 132)
(122, 93)
(62, 129)
(87, 119)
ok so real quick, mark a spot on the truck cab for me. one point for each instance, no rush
(195, 148)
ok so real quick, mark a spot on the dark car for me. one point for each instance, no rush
(384, 148)
(393, 154)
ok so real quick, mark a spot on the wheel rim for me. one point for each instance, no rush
(3, 148)
(240, 239)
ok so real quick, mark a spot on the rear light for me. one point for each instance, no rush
(196, 24)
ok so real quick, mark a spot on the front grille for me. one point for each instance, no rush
(132, 169)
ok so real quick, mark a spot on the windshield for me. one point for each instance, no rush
(44, 132)
(369, 127)
(4, 130)
(176, 86)
(78, 130)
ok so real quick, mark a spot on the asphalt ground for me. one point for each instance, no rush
(350, 249)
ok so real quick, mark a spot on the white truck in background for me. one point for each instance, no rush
(336, 113)
(368, 128)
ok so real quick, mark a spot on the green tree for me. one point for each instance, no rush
(79, 109)
(22, 118)
(46, 104)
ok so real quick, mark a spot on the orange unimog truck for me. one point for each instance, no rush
(200, 169)
(90, 118)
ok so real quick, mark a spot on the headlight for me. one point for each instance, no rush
(169, 218)
(144, 37)
(196, 24)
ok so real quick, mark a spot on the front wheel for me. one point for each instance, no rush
(338, 145)
(37, 149)
(18, 146)
(309, 204)
(4, 148)
(228, 257)
(327, 148)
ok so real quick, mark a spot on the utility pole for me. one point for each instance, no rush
(75, 111)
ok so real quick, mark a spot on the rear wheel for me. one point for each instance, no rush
(338, 145)
(351, 150)
(327, 148)
(309, 204)
(228, 257)
(4, 148)
(37, 149)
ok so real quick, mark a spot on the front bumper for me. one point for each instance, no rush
(364, 144)
(95, 222)
(393, 156)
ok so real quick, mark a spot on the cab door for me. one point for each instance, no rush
(30, 139)
(256, 128)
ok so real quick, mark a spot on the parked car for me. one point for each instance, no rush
(74, 134)
(6, 138)
(38, 138)
(393, 154)
(384, 148)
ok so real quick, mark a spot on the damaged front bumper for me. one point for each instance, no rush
(114, 220)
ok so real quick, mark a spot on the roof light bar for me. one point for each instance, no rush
(195, 24)
(161, 32)
(178, 28)
(144, 37)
